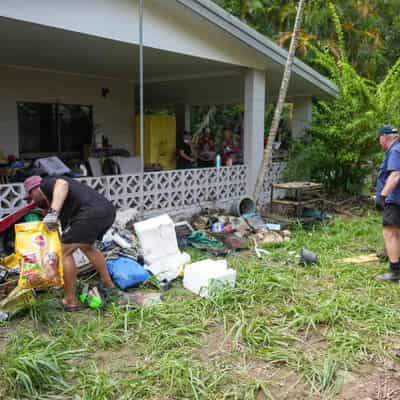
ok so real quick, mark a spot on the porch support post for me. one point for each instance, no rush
(302, 116)
(254, 113)
(182, 113)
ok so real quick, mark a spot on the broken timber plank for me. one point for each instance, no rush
(363, 259)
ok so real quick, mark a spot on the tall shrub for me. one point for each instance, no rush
(342, 141)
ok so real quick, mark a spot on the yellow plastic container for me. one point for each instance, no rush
(159, 140)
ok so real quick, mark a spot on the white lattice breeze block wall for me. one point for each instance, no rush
(169, 190)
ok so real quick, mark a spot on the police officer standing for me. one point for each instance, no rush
(388, 199)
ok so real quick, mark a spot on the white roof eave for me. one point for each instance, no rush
(227, 22)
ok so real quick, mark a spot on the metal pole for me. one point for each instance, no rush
(141, 107)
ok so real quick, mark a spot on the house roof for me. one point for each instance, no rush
(208, 10)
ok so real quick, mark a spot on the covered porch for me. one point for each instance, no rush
(187, 62)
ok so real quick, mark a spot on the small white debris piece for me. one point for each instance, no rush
(124, 217)
(206, 277)
(80, 258)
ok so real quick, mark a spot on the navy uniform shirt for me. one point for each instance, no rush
(389, 164)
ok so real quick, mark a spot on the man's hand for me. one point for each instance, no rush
(51, 220)
(380, 202)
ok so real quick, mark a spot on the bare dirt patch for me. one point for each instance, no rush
(217, 343)
(282, 383)
(312, 343)
(382, 383)
(116, 361)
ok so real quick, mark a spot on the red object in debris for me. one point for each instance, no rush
(228, 228)
(14, 217)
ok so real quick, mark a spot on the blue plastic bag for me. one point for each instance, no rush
(126, 272)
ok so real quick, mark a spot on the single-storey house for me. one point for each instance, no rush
(80, 58)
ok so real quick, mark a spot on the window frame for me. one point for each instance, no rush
(56, 128)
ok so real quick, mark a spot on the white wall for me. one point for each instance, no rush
(115, 113)
(302, 116)
(167, 26)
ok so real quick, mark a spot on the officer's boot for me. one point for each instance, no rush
(393, 275)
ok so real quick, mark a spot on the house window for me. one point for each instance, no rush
(54, 128)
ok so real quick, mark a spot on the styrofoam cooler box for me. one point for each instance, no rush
(169, 267)
(159, 247)
(207, 276)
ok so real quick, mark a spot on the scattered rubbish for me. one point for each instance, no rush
(233, 242)
(274, 227)
(217, 227)
(200, 222)
(255, 221)
(40, 253)
(206, 277)
(31, 217)
(307, 257)
(228, 228)
(363, 259)
(94, 299)
(199, 237)
(84, 294)
(8, 221)
(199, 240)
(123, 240)
(3, 274)
(80, 258)
(183, 230)
(187, 228)
(126, 218)
(52, 166)
(292, 253)
(91, 297)
(10, 262)
(270, 237)
(126, 272)
(260, 252)
(240, 226)
(316, 214)
(16, 301)
(166, 285)
(142, 299)
(159, 247)
(245, 205)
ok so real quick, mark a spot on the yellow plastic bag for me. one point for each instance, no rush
(40, 256)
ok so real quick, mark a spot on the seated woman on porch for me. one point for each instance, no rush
(230, 150)
(185, 157)
(206, 152)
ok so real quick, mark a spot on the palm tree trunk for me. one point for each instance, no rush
(281, 101)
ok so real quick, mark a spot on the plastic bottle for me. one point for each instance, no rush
(218, 161)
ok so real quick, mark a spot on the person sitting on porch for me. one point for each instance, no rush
(230, 150)
(186, 158)
(206, 153)
(85, 217)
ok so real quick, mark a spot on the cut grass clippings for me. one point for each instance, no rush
(314, 323)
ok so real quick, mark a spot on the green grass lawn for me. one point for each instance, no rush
(284, 332)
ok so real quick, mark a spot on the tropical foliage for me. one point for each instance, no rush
(371, 28)
(356, 44)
